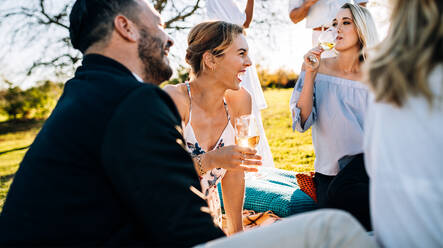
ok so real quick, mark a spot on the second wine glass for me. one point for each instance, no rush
(247, 134)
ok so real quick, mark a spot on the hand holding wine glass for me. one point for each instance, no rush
(247, 132)
(326, 41)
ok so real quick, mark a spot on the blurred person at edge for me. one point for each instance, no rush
(403, 130)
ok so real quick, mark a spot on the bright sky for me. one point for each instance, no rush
(291, 41)
(286, 43)
(282, 46)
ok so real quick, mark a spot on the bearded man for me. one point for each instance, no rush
(109, 167)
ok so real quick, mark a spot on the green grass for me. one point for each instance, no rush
(291, 150)
(15, 138)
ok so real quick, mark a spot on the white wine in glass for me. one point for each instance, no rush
(328, 38)
(327, 45)
(327, 41)
(247, 134)
(248, 141)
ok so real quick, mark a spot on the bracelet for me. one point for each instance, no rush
(199, 163)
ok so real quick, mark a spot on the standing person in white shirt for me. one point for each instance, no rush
(230, 11)
(319, 15)
(404, 128)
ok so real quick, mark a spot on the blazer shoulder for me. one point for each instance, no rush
(151, 98)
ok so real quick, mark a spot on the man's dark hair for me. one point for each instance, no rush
(92, 21)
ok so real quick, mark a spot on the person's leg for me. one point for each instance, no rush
(233, 190)
(322, 184)
(349, 191)
(321, 228)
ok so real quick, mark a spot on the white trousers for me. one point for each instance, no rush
(316, 229)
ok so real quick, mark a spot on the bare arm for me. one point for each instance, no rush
(298, 14)
(233, 183)
(233, 190)
(249, 13)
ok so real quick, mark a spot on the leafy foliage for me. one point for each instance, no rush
(183, 74)
(36, 102)
(278, 79)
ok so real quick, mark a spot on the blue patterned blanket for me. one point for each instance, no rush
(278, 191)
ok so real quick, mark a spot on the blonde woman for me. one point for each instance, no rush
(404, 128)
(330, 97)
(218, 54)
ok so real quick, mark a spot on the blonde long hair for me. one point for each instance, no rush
(366, 30)
(412, 48)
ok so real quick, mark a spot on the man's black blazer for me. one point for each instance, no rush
(107, 168)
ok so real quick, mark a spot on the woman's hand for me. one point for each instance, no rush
(312, 59)
(234, 158)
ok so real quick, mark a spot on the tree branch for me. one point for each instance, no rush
(160, 5)
(53, 19)
(34, 24)
(55, 62)
(181, 16)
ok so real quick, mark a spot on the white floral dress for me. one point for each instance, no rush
(211, 178)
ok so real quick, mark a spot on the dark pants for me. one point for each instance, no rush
(348, 190)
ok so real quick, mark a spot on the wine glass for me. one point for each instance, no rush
(247, 134)
(327, 41)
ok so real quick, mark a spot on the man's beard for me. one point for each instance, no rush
(152, 52)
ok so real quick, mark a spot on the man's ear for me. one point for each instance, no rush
(125, 28)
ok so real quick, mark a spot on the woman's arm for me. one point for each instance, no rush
(305, 102)
(232, 158)
(233, 190)
(361, 2)
(233, 183)
(249, 13)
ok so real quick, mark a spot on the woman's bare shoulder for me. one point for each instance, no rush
(239, 101)
(179, 95)
(177, 92)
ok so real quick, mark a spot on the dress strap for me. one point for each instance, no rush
(226, 109)
(188, 87)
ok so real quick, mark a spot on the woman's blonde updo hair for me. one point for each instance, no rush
(405, 58)
(366, 30)
(212, 36)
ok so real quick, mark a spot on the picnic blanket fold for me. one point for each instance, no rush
(278, 191)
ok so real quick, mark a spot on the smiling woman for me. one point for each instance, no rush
(218, 54)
